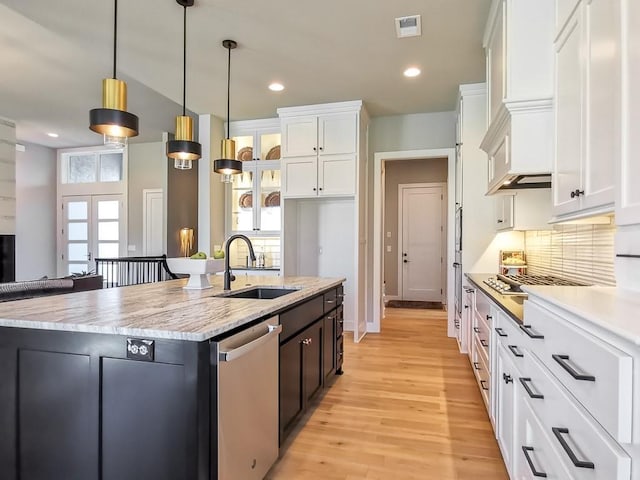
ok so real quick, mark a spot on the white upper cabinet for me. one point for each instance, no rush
(628, 191)
(256, 139)
(587, 51)
(320, 150)
(519, 47)
(253, 198)
(524, 209)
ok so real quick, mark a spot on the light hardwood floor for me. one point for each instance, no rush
(406, 408)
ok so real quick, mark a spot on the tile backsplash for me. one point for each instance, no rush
(270, 246)
(583, 253)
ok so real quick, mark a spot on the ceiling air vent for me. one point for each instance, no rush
(408, 26)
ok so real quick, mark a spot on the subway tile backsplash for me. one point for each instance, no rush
(270, 246)
(584, 253)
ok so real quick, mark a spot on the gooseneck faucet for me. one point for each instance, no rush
(228, 276)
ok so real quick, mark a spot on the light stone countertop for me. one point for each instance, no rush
(611, 308)
(158, 310)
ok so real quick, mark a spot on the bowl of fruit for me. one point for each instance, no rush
(198, 266)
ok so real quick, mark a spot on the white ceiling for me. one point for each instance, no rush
(54, 55)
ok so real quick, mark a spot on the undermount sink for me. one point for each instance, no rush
(259, 293)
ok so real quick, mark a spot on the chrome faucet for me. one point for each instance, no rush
(228, 275)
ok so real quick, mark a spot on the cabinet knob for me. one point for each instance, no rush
(320, 148)
(315, 149)
(314, 189)
(500, 221)
(306, 341)
(577, 193)
(320, 188)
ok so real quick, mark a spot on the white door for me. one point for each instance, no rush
(152, 220)
(421, 243)
(93, 227)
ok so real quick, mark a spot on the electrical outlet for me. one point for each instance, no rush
(140, 349)
(388, 234)
(388, 248)
(131, 248)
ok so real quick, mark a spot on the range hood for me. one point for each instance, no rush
(518, 182)
(519, 145)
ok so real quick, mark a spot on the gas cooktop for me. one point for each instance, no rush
(510, 284)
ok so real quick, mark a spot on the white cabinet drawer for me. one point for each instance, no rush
(512, 338)
(535, 456)
(597, 374)
(482, 306)
(481, 369)
(582, 445)
(481, 330)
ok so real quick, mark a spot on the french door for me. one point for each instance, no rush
(92, 227)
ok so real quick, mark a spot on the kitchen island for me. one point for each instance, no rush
(78, 402)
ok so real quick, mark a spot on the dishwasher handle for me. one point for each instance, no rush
(234, 353)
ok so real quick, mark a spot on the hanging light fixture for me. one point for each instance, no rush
(228, 165)
(112, 120)
(183, 149)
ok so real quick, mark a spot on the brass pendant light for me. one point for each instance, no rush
(112, 120)
(228, 165)
(183, 149)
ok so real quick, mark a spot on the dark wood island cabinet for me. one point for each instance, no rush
(78, 405)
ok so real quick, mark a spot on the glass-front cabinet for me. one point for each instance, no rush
(256, 140)
(254, 200)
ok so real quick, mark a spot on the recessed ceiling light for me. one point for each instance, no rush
(53, 135)
(412, 72)
(276, 87)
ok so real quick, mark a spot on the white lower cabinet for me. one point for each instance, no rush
(506, 408)
(561, 397)
(535, 457)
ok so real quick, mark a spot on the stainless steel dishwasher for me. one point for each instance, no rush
(248, 402)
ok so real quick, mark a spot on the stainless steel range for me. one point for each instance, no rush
(510, 284)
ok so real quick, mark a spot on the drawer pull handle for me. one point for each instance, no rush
(527, 329)
(507, 378)
(514, 350)
(476, 329)
(558, 432)
(489, 317)
(535, 472)
(500, 332)
(484, 343)
(483, 384)
(525, 384)
(330, 301)
(476, 365)
(562, 360)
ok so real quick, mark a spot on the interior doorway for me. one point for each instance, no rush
(421, 220)
(381, 235)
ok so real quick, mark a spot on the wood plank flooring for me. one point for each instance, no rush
(406, 408)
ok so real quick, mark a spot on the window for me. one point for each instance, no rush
(92, 167)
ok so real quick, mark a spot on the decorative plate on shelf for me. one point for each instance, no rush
(274, 153)
(272, 200)
(246, 200)
(245, 154)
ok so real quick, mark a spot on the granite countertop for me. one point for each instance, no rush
(159, 310)
(511, 305)
(611, 308)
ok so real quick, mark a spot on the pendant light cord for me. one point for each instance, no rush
(228, 90)
(184, 63)
(115, 35)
